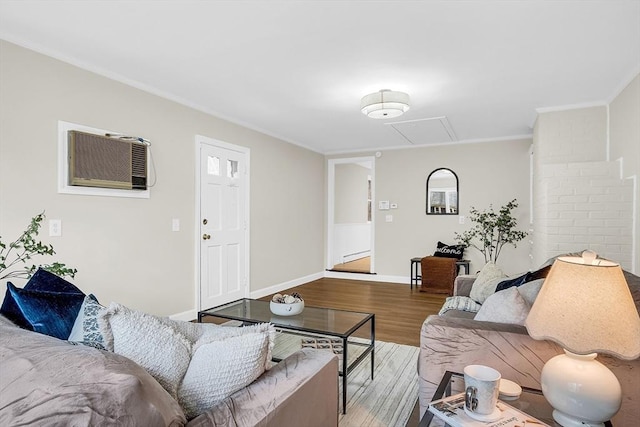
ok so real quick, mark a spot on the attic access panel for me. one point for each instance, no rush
(434, 130)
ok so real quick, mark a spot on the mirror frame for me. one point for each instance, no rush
(457, 194)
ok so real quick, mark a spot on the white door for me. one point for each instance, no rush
(223, 223)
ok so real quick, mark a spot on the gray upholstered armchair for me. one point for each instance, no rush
(454, 340)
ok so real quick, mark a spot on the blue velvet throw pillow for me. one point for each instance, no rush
(517, 281)
(48, 305)
(525, 278)
(44, 280)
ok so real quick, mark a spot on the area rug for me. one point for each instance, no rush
(333, 344)
(388, 400)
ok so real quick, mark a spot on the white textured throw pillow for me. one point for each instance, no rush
(161, 350)
(486, 282)
(506, 306)
(223, 362)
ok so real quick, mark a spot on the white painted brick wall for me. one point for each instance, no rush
(583, 205)
(579, 199)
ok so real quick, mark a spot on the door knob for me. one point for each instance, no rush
(206, 236)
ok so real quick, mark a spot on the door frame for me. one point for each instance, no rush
(201, 140)
(331, 182)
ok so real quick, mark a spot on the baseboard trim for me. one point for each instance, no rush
(186, 316)
(401, 280)
(259, 293)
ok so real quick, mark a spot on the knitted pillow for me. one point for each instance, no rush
(486, 282)
(223, 362)
(158, 348)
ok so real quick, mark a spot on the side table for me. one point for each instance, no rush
(531, 401)
(416, 273)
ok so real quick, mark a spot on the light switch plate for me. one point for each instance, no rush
(389, 218)
(175, 224)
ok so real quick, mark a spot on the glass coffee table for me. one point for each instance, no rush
(531, 401)
(355, 330)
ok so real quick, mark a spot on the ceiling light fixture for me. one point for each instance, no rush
(384, 104)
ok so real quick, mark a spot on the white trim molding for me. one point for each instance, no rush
(285, 285)
(185, 316)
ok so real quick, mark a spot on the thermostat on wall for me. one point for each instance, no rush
(383, 205)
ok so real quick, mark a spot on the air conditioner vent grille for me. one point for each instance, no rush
(99, 161)
(139, 160)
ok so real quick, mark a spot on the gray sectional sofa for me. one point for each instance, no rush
(48, 381)
(454, 340)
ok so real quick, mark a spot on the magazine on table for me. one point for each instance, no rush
(451, 410)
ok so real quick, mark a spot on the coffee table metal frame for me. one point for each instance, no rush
(292, 324)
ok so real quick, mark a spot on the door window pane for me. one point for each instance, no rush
(213, 165)
(232, 169)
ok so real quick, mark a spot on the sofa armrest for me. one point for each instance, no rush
(450, 344)
(301, 390)
(462, 285)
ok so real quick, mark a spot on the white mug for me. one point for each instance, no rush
(482, 386)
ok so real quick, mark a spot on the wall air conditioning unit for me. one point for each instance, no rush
(101, 161)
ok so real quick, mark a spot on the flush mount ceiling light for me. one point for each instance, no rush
(384, 104)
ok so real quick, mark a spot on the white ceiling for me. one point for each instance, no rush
(297, 69)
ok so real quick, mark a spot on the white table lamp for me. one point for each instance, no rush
(585, 306)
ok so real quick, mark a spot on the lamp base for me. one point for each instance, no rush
(581, 390)
(569, 421)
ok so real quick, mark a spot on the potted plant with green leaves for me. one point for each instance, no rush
(16, 256)
(492, 231)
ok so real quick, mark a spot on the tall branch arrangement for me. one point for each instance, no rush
(492, 231)
(15, 256)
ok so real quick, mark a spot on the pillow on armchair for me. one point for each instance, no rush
(486, 282)
(491, 279)
(506, 306)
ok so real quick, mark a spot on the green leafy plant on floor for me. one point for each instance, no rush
(492, 231)
(15, 256)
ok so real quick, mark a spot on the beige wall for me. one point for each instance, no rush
(489, 173)
(124, 249)
(624, 142)
(351, 191)
(576, 135)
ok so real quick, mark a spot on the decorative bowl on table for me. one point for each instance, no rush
(286, 305)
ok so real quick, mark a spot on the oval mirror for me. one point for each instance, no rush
(442, 192)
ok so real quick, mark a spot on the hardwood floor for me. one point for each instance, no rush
(362, 265)
(399, 311)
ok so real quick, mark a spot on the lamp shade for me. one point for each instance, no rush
(384, 104)
(585, 305)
